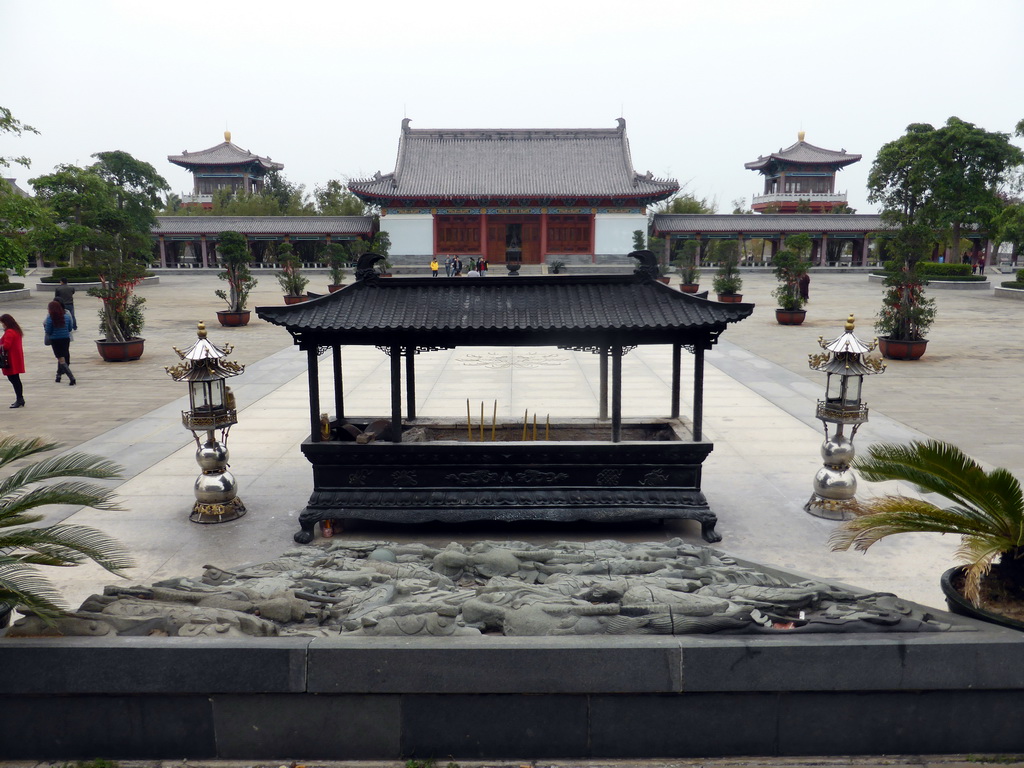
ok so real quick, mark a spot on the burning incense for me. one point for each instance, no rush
(494, 419)
(535, 426)
(481, 421)
(525, 421)
(469, 422)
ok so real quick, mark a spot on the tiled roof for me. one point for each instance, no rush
(520, 163)
(264, 225)
(804, 153)
(17, 190)
(539, 311)
(767, 223)
(224, 153)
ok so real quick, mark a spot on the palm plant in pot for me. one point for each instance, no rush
(337, 259)
(727, 282)
(292, 281)
(24, 545)
(121, 316)
(233, 248)
(906, 313)
(789, 268)
(987, 512)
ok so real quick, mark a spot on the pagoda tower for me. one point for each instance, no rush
(800, 179)
(225, 166)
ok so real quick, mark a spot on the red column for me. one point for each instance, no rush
(483, 234)
(543, 236)
(593, 238)
(163, 253)
(202, 246)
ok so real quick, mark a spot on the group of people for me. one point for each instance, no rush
(453, 267)
(57, 327)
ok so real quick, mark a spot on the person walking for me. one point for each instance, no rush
(65, 294)
(481, 266)
(434, 266)
(58, 335)
(11, 351)
(448, 266)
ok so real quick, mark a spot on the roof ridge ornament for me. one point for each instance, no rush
(364, 266)
(648, 266)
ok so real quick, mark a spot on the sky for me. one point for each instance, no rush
(323, 85)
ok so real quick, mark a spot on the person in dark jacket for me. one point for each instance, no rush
(58, 330)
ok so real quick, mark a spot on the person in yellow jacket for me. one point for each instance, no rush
(434, 266)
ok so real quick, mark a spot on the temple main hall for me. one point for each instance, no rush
(514, 194)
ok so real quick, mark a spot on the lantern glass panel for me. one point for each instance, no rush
(834, 388)
(851, 397)
(207, 395)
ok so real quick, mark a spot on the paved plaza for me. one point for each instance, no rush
(759, 412)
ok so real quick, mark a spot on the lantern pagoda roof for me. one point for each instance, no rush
(803, 153)
(225, 154)
(204, 361)
(479, 166)
(845, 355)
(578, 311)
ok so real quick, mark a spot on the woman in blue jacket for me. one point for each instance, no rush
(58, 330)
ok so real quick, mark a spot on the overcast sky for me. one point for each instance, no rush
(323, 86)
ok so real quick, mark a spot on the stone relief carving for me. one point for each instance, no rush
(509, 588)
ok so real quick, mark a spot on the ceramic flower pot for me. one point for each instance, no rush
(231, 319)
(120, 351)
(730, 298)
(295, 299)
(689, 287)
(894, 349)
(790, 316)
(961, 606)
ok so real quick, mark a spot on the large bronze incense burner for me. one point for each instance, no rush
(402, 469)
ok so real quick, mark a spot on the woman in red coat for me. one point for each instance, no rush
(11, 343)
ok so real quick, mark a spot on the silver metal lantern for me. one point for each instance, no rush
(205, 368)
(845, 364)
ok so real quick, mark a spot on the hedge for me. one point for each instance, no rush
(11, 286)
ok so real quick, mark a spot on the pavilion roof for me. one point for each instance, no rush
(226, 154)
(264, 225)
(767, 222)
(514, 163)
(803, 153)
(558, 310)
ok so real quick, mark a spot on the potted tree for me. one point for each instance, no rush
(337, 259)
(689, 272)
(727, 282)
(121, 317)
(987, 511)
(789, 268)
(906, 313)
(233, 248)
(23, 545)
(292, 281)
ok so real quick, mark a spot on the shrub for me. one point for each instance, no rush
(934, 268)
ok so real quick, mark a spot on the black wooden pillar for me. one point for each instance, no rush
(410, 381)
(698, 392)
(676, 365)
(617, 393)
(396, 393)
(339, 384)
(603, 393)
(314, 394)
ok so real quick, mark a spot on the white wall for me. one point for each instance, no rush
(613, 232)
(412, 234)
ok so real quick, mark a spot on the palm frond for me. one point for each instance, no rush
(22, 585)
(79, 494)
(70, 545)
(13, 448)
(71, 465)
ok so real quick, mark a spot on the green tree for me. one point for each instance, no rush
(1010, 228)
(136, 187)
(943, 178)
(23, 545)
(81, 209)
(19, 216)
(10, 124)
(334, 199)
(233, 248)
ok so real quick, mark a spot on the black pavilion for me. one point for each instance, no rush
(599, 470)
